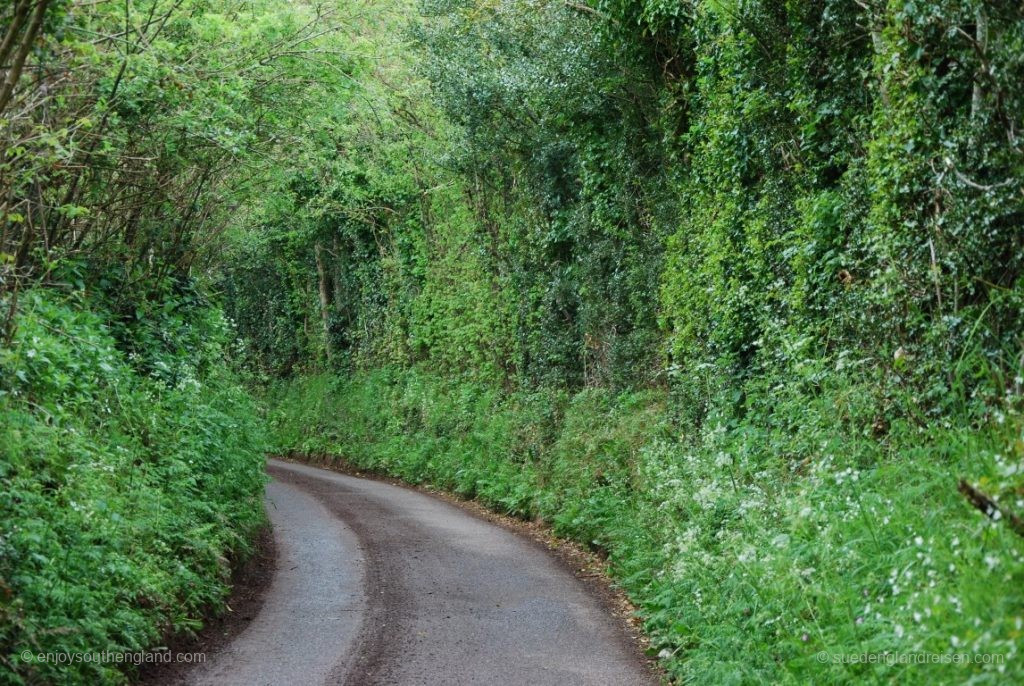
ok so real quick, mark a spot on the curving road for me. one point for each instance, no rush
(378, 584)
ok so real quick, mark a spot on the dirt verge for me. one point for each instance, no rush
(249, 584)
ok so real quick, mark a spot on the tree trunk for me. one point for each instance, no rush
(14, 72)
(981, 37)
(18, 18)
(325, 298)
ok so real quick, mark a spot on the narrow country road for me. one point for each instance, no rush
(378, 584)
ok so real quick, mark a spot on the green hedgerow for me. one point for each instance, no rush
(124, 497)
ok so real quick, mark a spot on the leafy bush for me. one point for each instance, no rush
(126, 495)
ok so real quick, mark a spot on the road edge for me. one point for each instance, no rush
(250, 580)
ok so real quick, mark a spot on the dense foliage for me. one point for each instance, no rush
(126, 493)
(138, 131)
(718, 196)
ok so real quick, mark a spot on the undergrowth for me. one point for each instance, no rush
(129, 483)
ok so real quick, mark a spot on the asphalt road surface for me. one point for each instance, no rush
(379, 584)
